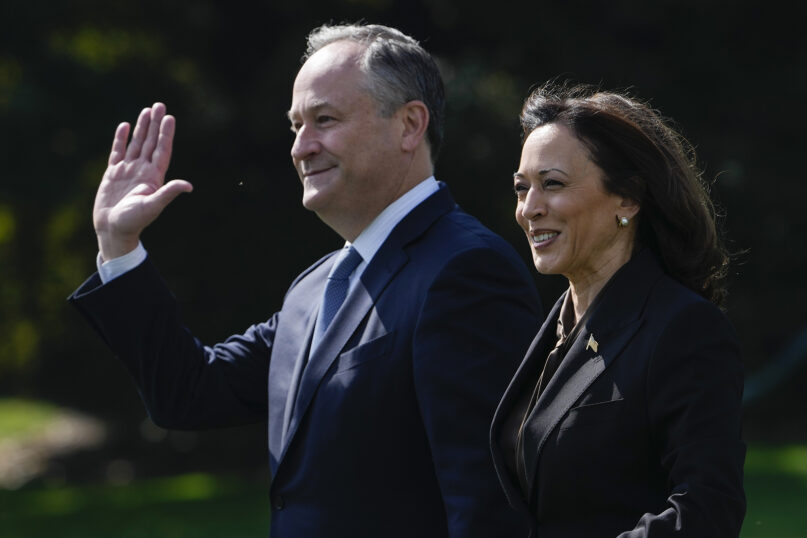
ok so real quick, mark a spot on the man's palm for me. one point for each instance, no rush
(132, 192)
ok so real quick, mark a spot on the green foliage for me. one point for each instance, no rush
(22, 418)
(7, 222)
(204, 505)
(19, 342)
(193, 506)
(776, 487)
(70, 71)
(102, 49)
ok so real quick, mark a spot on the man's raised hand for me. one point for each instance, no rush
(133, 191)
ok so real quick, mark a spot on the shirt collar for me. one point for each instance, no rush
(370, 240)
(565, 319)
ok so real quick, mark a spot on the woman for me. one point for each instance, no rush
(624, 417)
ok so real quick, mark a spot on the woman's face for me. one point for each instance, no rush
(569, 219)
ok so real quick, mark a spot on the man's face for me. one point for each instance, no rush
(348, 157)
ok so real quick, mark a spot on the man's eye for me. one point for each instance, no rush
(324, 119)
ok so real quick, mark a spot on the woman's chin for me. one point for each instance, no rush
(545, 267)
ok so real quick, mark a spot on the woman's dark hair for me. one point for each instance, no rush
(647, 161)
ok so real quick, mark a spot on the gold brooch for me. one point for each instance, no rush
(592, 343)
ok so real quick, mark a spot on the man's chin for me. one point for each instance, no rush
(314, 200)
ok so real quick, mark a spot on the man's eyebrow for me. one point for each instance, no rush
(313, 107)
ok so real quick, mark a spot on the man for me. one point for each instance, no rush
(378, 409)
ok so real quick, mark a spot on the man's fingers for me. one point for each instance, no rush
(176, 186)
(166, 194)
(140, 131)
(119, 144)
(171, 190)
(150, 142)
(162, 153)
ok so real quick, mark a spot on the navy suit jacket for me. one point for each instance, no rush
(387, 434)
(638, 434)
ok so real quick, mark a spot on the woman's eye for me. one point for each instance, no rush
(552, 183)
(520, 189)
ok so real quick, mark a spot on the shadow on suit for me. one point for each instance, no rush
(639, 434)
(385, 432)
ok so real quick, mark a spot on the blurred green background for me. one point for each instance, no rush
(76, 451)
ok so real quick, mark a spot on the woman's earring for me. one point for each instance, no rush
(622, 222)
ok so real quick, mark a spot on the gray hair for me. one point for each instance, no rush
(397, 68)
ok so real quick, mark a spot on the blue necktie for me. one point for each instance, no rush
(335, 293)
(336, 288)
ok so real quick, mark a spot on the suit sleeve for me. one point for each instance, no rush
(694, 390)
(184, 384)
(479, 316)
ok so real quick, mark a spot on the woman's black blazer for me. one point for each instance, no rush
(638, 432)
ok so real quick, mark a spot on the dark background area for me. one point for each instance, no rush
(733, 77)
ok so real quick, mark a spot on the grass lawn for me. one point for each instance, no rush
(776, 488)
(195, 505)
(208, 506)
(20, 418)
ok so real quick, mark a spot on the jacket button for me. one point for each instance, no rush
(278, 503)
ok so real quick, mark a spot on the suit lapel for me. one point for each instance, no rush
(299, 365)
(355, 308)
(579, 369)
(288, 353)
(523, 380)
(386, 263)
(599, 342)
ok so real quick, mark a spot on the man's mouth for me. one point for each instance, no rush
(317, 171)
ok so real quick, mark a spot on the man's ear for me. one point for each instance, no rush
(415, 120)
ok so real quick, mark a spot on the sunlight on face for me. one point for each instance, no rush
(343, 149)
(569, 219)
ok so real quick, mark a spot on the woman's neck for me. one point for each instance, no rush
(584, 289)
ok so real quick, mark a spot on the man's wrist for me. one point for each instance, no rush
(111, 269)
(111, 248)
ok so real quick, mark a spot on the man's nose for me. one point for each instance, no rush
(305, 144)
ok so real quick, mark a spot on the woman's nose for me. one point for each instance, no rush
(533, 205)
